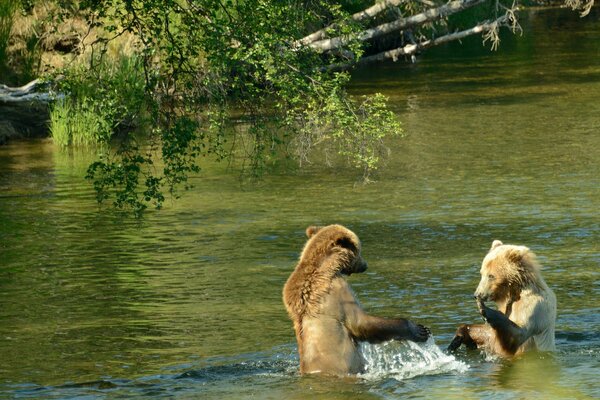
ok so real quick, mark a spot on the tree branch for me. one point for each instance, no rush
(368, 13)
(413, 48)
(584, 5)
(359, 16)
(431, 14)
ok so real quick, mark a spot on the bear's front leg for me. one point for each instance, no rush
(510, 335)
(493, 317)
(463, 336)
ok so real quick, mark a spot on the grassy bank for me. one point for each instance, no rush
(55, 41)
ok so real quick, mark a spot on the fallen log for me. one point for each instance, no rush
(24, 110)
(24, 94)
(432, 14)
(411, 49)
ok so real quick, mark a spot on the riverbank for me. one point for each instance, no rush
(43, 44)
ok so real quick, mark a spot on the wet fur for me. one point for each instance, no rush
(526, 314)
(328, 320)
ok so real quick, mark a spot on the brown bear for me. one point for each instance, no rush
(526, 315)
(328, 320)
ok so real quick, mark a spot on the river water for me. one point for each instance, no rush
(186, 302)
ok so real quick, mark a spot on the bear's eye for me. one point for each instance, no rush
(490, 276)
(346, 243)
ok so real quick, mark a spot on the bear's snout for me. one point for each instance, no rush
(480, 296)
(362, 266)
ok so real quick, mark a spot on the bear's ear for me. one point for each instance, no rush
(495, 244)
(311, 230)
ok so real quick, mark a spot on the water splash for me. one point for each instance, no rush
(405, 360)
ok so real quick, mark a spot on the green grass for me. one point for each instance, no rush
(59, 123)
(78, 125)
(101, 102)
(7, 13)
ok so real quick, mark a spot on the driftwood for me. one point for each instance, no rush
(24, 110)
(24, 94)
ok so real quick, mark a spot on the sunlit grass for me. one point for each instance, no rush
(98, 105)
(78, 125)
(7, 12)
(59, 123)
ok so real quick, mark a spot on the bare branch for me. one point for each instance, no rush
(431, 14)
(359, 16)
(413, 48)
(584, 5)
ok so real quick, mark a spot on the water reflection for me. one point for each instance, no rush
(538, 374)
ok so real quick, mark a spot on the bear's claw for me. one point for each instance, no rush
(455, 343)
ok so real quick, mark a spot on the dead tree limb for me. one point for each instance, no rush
(413, 48)
(25, 94)
(24, 110)
(584, 5)
(430, 15)
(359, 16)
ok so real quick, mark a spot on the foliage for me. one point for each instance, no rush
(106, 99)
(359, 129)
(205, 62)
(356, 128)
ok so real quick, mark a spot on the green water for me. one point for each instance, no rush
(186, 303)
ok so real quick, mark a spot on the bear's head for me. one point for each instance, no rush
(334, 246)
(505, 271)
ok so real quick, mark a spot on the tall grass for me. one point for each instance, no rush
(59, 123)
(78, 125)
(108, 99)
(7, 13)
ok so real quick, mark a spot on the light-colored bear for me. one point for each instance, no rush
(526, 315)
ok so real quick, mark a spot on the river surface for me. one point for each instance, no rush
(186, 303)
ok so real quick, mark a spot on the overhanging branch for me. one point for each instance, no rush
(359, 16)
(430, 15)
(413, 48)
